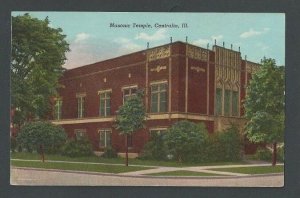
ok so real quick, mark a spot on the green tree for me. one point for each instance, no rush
(131, 117)
(38, 53)
(264, 105)
(184, 138)
(43, 137)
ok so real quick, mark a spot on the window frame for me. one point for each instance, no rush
(219, 106)
(106, 143)
(106, 92)
(235, 106)
(58, 109)
(159, 93)
(80, 137)
(158, 130)
(130, 140)
(130, 88)
(80, 105)
(227, 102)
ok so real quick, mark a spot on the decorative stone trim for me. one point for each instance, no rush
(105, 90)
(158, 68)
(159, 53)
(158, 128)
(130, 155)
(150, 117)
(79, 95)
(158, 82)
(197, 69)
(129, 86)
(197, 53)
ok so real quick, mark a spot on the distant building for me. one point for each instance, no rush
(180, 81)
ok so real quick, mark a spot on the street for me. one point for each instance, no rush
(27, 176)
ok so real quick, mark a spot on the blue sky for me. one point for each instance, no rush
(92, 39)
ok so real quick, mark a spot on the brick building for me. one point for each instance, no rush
(180, 81)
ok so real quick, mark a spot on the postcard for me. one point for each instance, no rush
(147, 99)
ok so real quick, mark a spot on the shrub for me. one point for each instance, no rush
(13, 144)
(266, 154)
(280, 154)
(222, 146)
(77, 148)
(19, 148)
(109, 152)
(184, 138)
(211, 151)
(263, 154)
(230, 144)
(189, 142)
(33, 135)
(156, 148)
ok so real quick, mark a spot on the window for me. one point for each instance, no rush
(105, 138)
(80, 106)
(227, 102)
(58, 109)
(105, 103)
(80, 134)
(129, 91)
(235, 103)
(157, 134)
(159, 97)
(219, 101)
(129, 140)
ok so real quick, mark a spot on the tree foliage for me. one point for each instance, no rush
(264, 104)
(33, 135)
(38, 53)
(131, 116)
(184, 138)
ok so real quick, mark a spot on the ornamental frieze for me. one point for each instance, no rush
(227, 76)
(158, 53)
(197, 69)
(158, 68)
(252, 67)
(197, 53)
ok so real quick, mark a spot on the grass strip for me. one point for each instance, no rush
(252, 170)
(78, 167)
(35, 156)
(183, 173)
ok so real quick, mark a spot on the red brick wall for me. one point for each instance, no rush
(181, 85)
(197, 89)
(243, 88)
(92, 84)
(211, 89)
(90, 79)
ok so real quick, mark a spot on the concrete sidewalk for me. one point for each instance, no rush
(159, 169)
(203, 169)
(168, 169)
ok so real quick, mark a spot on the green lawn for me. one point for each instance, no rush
(34, 156)
(183, 173)
(78, 167)
(253, 170)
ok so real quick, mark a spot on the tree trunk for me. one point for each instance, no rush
(126, 144)
(42, 153)
(274, 154)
